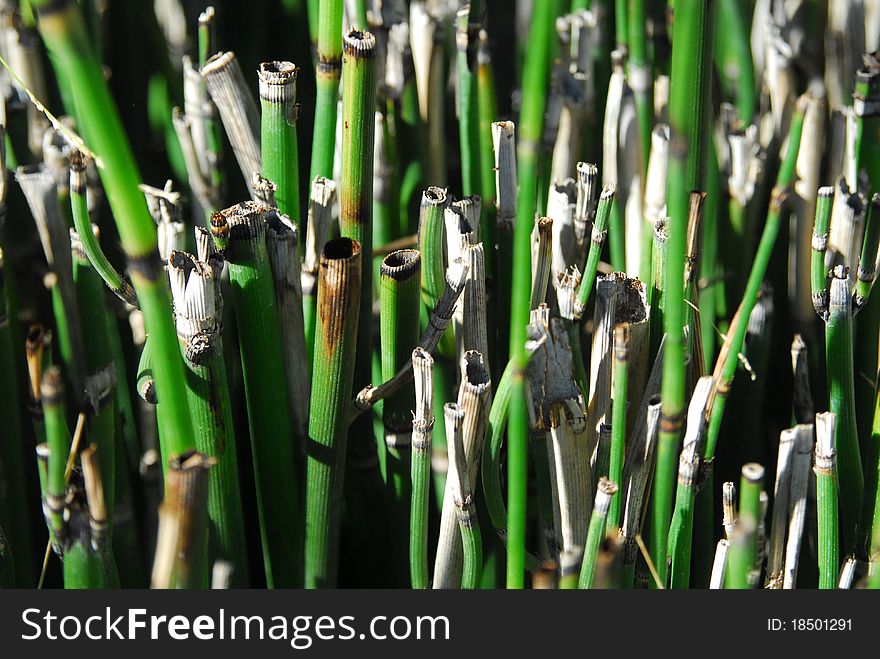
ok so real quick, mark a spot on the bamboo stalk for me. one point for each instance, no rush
(681, 527)
(597, 240)
(606, 490)
(743, 569)
(238, 110)
(278, 141)
(867, 270)
(239, 233)
(459, 487)
(473, 401)
(423, 422)
(803, 451)
(195, 289)
(338, 304)
(693, 35)
(719, 565)
(535, 82)
(619, 403)
(62, 28)
(801, 395)
(321, 202)
(181, 560)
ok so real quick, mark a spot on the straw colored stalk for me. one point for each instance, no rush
(561, 207)
(797, 500)
(181, 548)
(491, 463)
(597, 240)
(560, 419)
(504, 148)
(574, 98)
(238, 110)
(321, 202)
(473, 400)
(460, 490)
(422, 424)
(639, 469)
(612, 151)
(119, 285)
(655, 195)
(586, 198)
(194, 127)
(682, 525)
(438, 322)
(338, 304)
(473, 305)
(467, 29)
(38, 354)
(164, 206)
(618, 300)
(282, 243)
(803, 205)
(606, 490)
(195, 289)
(542, 235)
(278, 141)
(427, 40)
(847, 573)
(719, 565)
(40, 191)
(801, 394)
(847, 224)
(328, 70)
(239, 234)
(743, 568)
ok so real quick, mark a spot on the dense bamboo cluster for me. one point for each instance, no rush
(563, 293)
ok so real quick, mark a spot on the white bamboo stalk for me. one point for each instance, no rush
(320, 215)
(847, 224)
(504, 141)
(728, 508)
(585, 208)
(847, 573)
(561, 206)
(238, 110)
(800, 478)
(719, 565)
(542, 238)
(779, 521)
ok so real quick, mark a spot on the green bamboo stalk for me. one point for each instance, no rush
(682, 526)
(242, 230)
(195, 288)
(818, 271)
(597, 240)
(338, 305)
(278, 142)
(743, 570)
(462, 495)
(487, 114)
(659, 260)
(841, 397)
(181, 560)
(328, 70)
(214, 142)
(640, 75)
(826, 499)
(693, 32)
(399, 288)
(62, 28)
(606, 490)
(733, 58)
(423, 422)
(82, 567)
(620, 380)
(536, 75)
(467, 29)
(728, 359)
(120, 286)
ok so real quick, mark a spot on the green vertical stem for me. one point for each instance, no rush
(596, 531)
(328, 71)
(278, 141)
(63, 30)
(620, 379)
(239, 233)
(335, 346)
(742, 571)
(825, 468)
(691, 78)
(423, 422)
(467, 28)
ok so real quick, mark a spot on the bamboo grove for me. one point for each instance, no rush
(440, 294)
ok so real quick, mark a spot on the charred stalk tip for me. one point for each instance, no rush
(338, 288)
(278, 81)
(191, 462)
(402, 264)
(434, 196)
(52, 387)
(473, 370)
(753, 472)
(340, 249)
(37, 340)
(359, 44)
